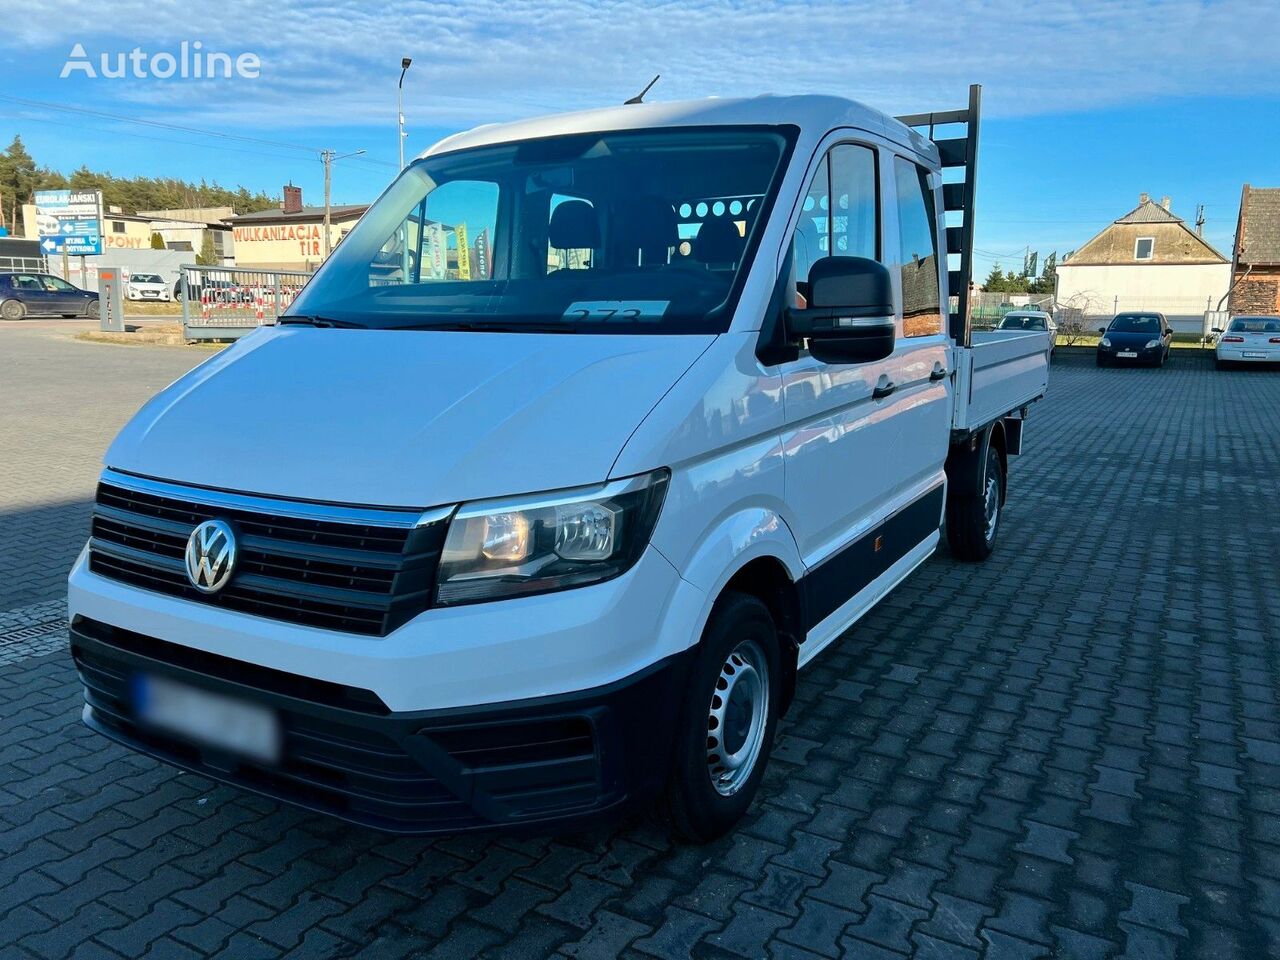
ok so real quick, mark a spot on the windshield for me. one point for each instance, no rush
(146, 278)
(1015, 322)
(633, 231)
(1135, 323)
(1255, 325)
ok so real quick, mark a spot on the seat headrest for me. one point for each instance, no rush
(574, 226)
(718, 241)
(653, 229)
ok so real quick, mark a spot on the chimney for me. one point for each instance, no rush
(292, 199)
(1164, 202)
(1144, 198)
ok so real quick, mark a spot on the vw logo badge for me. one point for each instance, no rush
(211, 556)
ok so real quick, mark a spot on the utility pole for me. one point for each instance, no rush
(404, 68)
(1199, 219)
(327, 157)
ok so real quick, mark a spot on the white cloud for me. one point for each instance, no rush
(477, 61)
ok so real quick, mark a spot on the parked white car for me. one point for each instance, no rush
(547, 528)
(1031, 320)
(1248, 340)
(147, 286)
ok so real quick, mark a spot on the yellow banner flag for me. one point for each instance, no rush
(464, 252)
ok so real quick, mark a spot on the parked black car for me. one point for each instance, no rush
(1135, 338)
(42, 294)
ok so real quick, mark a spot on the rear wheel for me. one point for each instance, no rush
(728, 717)
(973, 522)
(13, 310)
(1220, 363)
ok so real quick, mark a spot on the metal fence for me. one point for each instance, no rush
(1187, 315)
(225, 303)
(989, 308)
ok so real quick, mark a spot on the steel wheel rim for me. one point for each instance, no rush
(12, 310)
(736, 718)
(992, 507)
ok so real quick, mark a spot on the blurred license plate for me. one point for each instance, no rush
(1127, 353)
(208, 719)
(1251, 355)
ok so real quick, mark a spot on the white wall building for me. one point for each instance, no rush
(1146, 260)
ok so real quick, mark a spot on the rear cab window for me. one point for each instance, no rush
(917, 250)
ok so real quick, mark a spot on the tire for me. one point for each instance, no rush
(973, 522)
(1221, 364)
(1101, 362)
(704, 798)
(91, 308)
(13, 310)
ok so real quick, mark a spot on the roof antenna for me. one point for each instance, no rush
(639, 97)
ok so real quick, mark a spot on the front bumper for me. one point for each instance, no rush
(1144, 354)
(534, 765)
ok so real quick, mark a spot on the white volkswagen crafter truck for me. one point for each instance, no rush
(587, 438)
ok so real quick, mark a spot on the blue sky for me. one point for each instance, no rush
(1087, 104)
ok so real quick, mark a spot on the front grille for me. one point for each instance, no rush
(353, 764)
(354, 574)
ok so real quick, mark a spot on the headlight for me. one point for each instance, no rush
(1104, 342)
(517, 547)
(1152, 344)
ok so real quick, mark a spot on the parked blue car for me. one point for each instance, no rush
(42, 294)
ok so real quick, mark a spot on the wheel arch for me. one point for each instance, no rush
(766, 578)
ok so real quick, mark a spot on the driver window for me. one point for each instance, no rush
(839, 214)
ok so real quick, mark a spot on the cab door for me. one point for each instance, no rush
(862, 481)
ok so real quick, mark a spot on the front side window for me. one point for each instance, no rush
(633, 231)
(839, 213)
(1144, 248)
(917, 251)
(56, 284)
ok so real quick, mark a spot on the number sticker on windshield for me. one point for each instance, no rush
(616, 311)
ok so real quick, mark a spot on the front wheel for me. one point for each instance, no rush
(728, 717)
(1101, 362)
(973, 522)
(91, 308)
(13, 310)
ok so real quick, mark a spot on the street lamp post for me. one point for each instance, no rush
(404, 68)
(328, 158)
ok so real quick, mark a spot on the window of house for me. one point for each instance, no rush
(917, 251)
(1144, 248)
(839, 214)
(117, 226)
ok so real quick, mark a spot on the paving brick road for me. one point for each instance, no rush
(1070, 751)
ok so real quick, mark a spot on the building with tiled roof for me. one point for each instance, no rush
(1147, 259)
(1255, 267)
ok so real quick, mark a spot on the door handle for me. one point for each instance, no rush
(883, 390)
(939, 373)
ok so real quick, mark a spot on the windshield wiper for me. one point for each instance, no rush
(318, 321)
(482, 327)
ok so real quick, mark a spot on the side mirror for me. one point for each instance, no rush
(1215, 329)
(850, 314)
(1102, 329)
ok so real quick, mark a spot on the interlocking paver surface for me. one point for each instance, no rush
(1070, 751)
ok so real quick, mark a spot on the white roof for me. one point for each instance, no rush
(814, 115)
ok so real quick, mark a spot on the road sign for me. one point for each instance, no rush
(70, 221)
